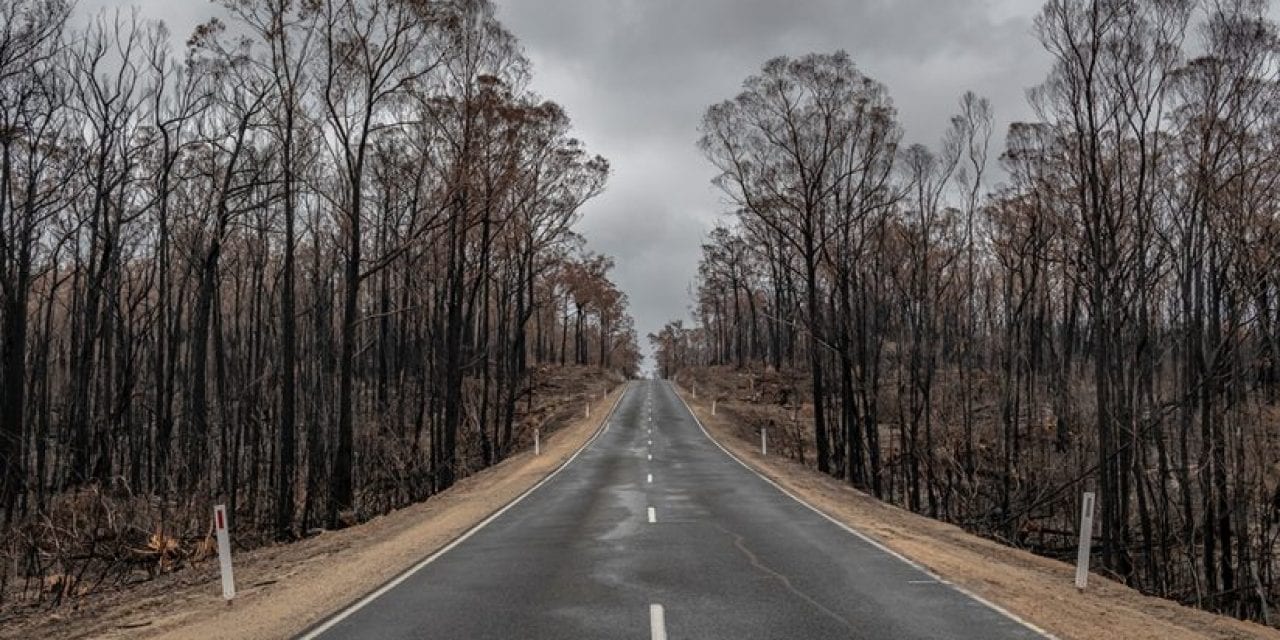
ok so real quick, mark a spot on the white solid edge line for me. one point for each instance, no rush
(657, 623)
(343, 614)
(653, 516)
(865, 538)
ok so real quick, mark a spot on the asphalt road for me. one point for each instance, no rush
(654, 532)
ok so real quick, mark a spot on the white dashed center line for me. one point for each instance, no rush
(657, 623)
(653, 516)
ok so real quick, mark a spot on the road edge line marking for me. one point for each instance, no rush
(331, 621)
(864, 537)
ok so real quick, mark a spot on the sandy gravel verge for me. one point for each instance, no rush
(1039, 590)
(283, 590)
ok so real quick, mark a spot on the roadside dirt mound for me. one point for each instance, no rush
(757, 400)
(1038, 589)
(283, 589)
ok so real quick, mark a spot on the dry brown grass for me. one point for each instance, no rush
(282, 589)
(1038, 589)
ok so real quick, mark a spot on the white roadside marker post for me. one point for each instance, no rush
(695, 392)
(764, 442)
(1086, 540)
(224, 552)
(537, 444)
(713, 406)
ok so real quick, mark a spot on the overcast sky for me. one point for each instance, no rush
(636, 76)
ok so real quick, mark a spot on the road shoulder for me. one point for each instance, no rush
(285, 589)
(1039, 590)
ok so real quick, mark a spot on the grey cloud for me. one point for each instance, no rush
(636, 76)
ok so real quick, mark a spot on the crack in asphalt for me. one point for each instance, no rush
(740, 543)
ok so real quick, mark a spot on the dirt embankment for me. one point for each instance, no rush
(1040, 590)
(284, 589)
